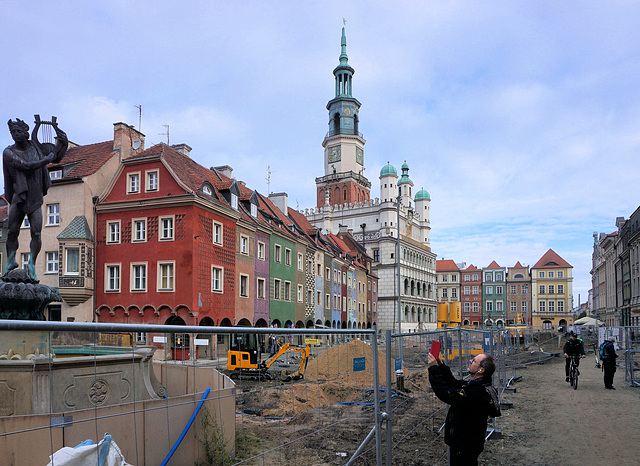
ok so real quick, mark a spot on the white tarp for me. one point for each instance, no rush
(589, 321)
(105, 453)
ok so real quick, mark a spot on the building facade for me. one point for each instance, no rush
(394, 229)
(552, 292)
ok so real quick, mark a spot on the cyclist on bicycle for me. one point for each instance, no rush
(572, 348)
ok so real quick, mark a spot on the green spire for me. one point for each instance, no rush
(344, 60)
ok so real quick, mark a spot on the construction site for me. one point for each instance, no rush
(320, 397)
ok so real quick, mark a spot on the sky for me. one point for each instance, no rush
(520, 118)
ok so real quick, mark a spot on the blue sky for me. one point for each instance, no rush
(521, 119)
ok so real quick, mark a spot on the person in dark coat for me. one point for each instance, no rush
(471, 403)
(609, 363)
(573, 347)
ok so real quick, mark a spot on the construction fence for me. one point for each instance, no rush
(185, 395)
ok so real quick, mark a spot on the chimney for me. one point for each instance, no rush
(184, 149)
(226, 170)
(280, 200)
(342, 229)
(127, 140)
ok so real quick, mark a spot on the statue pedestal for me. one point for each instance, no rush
(22, 298)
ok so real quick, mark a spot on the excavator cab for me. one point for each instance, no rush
(244, 352)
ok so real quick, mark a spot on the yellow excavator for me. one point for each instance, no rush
(244, 359)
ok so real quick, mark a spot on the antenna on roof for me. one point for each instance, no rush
(166, 134)
(268, 178)
(139, 107)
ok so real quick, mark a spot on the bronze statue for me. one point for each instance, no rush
(26, 181)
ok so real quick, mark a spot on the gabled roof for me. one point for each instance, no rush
(471, 268)
(446, 265)
(518, 265)
(77, 229)
(188, 172)
(493, 265)
(551, 260)
(85, 160)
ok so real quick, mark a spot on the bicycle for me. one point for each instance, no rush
(574, 372)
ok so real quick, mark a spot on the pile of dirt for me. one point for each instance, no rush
(329, 379)
(337, 364)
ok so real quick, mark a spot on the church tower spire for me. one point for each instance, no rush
(343, 179)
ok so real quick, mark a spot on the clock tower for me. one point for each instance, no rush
(343, 181)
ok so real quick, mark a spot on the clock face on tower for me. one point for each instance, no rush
(333, 154)
(359, 155)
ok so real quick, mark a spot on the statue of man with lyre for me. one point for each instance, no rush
(26, 181)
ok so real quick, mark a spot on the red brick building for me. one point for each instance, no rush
(471, 295)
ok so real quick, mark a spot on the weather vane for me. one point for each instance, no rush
(344, 21)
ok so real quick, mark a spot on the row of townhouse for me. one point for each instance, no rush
(150, 236)
(541, 296)
(615, 273)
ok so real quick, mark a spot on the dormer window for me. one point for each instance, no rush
(254, 210)
(55, 174)
(234, 201)
(207, 190)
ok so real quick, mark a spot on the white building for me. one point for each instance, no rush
(343, 199)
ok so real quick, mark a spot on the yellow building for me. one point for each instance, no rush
(552, 292)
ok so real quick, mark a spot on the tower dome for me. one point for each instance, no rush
(388, 169)
(423, 194)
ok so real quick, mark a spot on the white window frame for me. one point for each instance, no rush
(67, 250)
(110, 279)
(540, 274)
(148, 180)
(234, 201)
(488, 306)
(550, 274)
(254, 210)
(133, 183)
(260, 288)
(243, 286)
(53, 214)
(138, 235)
(287, 290)
(542, 306)
(244, 245)
(489, 289)
(261, 250)
(276, 288)
(300, 261)
(499, 289)
(217, 233)
(51, 258)
(560, 307)
(55, 175)
(113, 232)
(560, 274)
(287, 257)
(300, 293)
(551, 307)
(551, 289)
(167, 228)
(142, 278)
(170, 278)
(217, 279)
(560, 289)
(277, 253)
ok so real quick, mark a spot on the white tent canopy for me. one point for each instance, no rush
(589, 322)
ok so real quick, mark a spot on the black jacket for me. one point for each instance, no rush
(471, 405)
(610, 352)
(573, 347)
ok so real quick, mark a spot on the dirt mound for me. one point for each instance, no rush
(337, 364)
(329, 379)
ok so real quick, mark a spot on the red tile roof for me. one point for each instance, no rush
(518, 265)
(471, 268)
(493, 265)
(446, 265)
(87, 159)
(551, 260)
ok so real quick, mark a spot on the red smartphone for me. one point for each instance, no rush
(435, 349)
